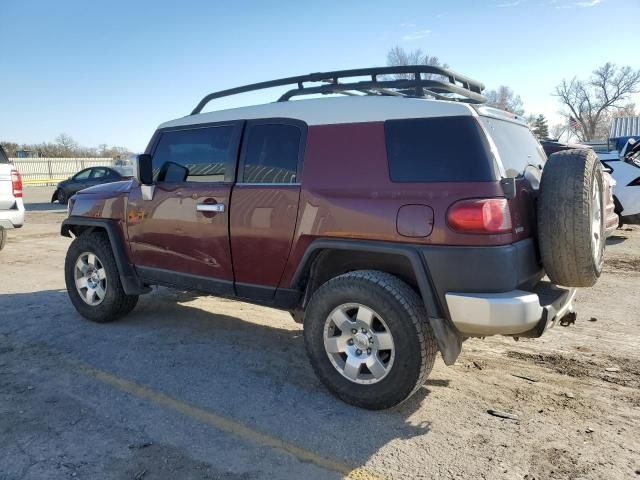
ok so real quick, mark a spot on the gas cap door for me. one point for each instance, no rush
(414, 221)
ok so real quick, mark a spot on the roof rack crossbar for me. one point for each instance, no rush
(470, 90)
(416, 88)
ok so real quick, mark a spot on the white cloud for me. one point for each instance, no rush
(592, 3)
(515, 3)
(410, 37)
(408, 25)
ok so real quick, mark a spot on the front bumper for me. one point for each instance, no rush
(14, 217)
(516, 312)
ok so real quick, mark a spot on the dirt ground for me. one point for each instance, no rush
(190, 386)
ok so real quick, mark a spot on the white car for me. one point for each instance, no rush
(625, 166)
(11, 205)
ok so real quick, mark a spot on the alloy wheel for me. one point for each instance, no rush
(91, 278)
(359, 343)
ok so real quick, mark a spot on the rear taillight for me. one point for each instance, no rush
(16, 183)
(634, 183)
(488, 215)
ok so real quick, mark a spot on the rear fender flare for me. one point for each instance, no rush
(448, 339)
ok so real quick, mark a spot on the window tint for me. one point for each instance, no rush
(83, 175)
(443, 149)
(516, 145)
(98, 173)
(203, 151)
(3, 156)
(271, 154)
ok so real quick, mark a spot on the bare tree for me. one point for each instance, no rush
(66, 141)
(398, 57)
(590, 104)
(505, 99)
(557, 130)
(10, 148)
(65, 146)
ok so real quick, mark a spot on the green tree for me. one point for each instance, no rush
(540, 127)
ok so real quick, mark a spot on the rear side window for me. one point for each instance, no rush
(516, 145)
(271, 154)
(205, 152)
(3, 156)
(98, 173)
(442, 149)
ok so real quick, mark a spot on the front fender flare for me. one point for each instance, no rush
(131, 283)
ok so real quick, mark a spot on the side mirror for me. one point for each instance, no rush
(144, 170)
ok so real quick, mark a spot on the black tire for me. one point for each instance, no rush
(62, 197)
(3, 238)
(565, 212)
(406, 318)
(116, 303)
(618, 211)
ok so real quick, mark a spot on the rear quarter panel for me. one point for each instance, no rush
(347, 193)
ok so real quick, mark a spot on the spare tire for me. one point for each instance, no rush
(571, 230)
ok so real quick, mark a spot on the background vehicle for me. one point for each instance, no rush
(86, 178)
(357, 216)
(626, 172)
(612, 220)
(11, 205)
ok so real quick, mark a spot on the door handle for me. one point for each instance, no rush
(210, 207)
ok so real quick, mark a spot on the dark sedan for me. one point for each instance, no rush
(84, 179)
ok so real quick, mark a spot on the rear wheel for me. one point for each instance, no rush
(571, 226)
(368, 339)
(92, 279)
(3, 237)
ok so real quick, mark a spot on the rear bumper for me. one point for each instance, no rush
(516, 312)
(13, 217)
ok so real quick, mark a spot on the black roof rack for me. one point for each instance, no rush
(460, 88)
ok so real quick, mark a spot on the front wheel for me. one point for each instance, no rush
(368, 339)
(62, 197)
(92, 279)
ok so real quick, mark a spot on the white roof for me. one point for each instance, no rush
(332, 110)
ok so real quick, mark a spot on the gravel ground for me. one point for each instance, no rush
(190, 386)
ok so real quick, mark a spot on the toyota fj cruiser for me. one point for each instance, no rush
(357, 215)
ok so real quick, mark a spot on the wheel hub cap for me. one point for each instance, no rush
(90, 278)
(359, 343)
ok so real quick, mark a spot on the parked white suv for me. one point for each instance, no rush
(11, 205)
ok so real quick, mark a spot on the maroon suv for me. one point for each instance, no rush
(392, 225)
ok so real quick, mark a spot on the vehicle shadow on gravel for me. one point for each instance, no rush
(616, 239)
(252, 373)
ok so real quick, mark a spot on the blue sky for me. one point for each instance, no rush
(110, 72)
